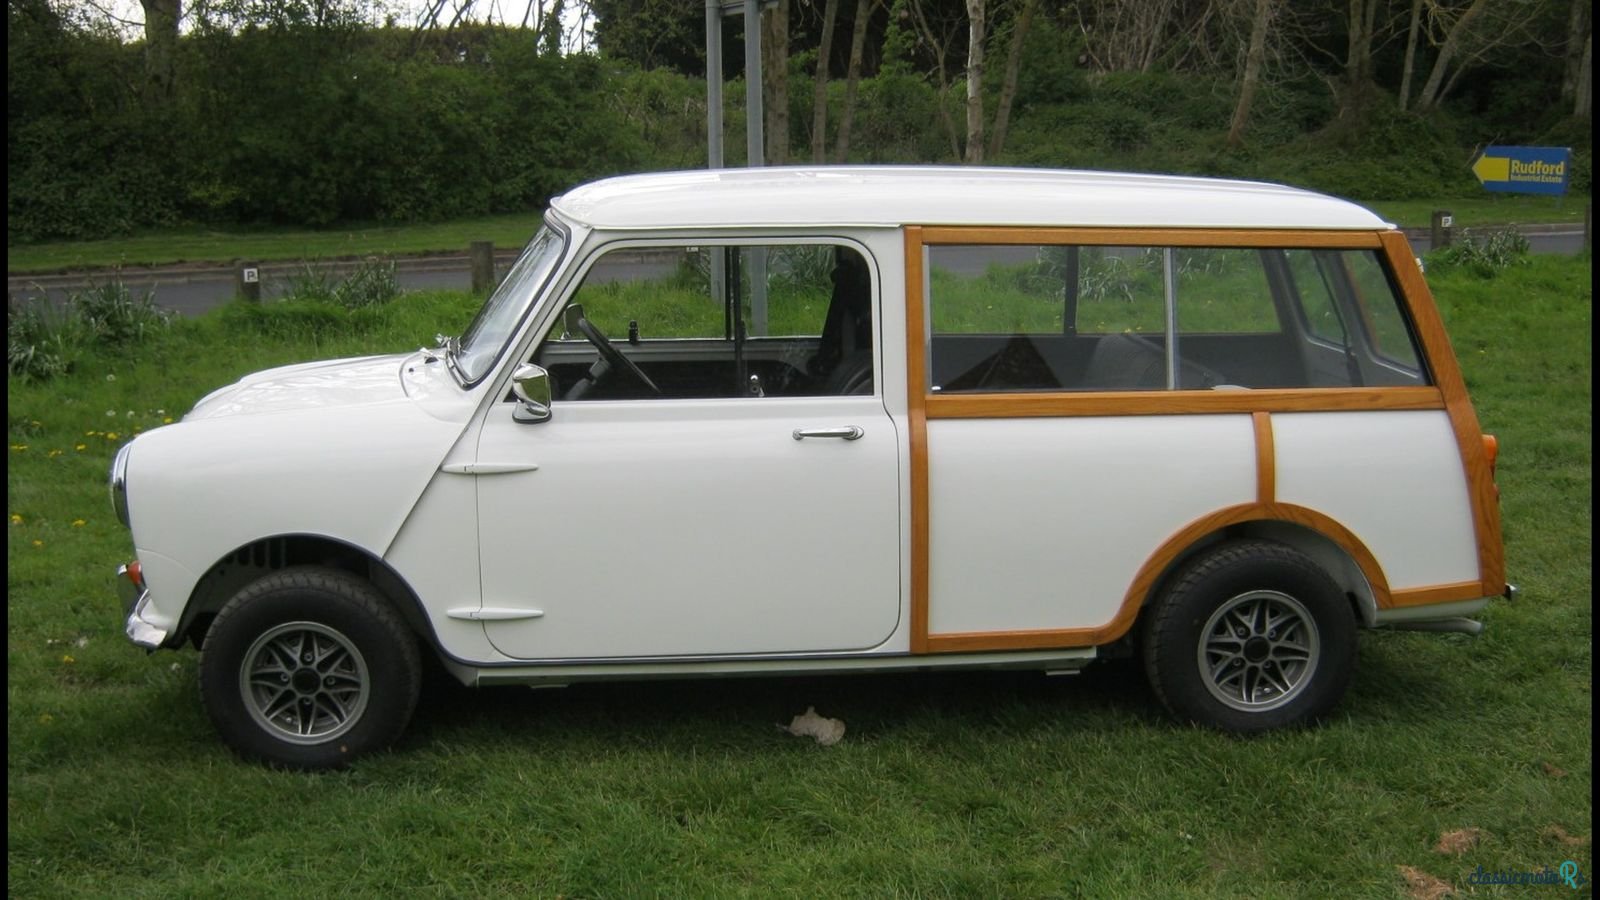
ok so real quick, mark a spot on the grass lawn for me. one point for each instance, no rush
(971, 785)
(512, 231)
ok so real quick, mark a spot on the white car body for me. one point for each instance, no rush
(635, 537)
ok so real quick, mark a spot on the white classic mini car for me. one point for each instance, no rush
(841, 420)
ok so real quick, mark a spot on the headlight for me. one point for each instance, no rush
(119, 483)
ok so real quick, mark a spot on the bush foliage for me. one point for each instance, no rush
(281, 119)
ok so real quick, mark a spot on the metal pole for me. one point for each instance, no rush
(756, 154)
(713, 84)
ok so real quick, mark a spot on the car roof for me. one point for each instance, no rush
(948, 195)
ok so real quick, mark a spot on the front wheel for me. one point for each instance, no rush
(1250, 636)
(309, 668)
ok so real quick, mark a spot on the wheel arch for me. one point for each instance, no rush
(1333, 547)
(228, 575)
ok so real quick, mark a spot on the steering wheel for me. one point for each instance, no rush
(610, 358)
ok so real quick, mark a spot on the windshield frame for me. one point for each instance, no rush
(504, 298)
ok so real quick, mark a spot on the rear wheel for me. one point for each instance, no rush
(309, 668)
(1250, 636)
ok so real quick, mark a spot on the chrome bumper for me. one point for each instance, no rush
(135, 596)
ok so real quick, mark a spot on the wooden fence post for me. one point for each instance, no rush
(247, 281)
(1442, 222)
(481, 256)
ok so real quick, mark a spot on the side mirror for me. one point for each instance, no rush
(530, 384)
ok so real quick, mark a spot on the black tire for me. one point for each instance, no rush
(355, 695)
(1248, 637)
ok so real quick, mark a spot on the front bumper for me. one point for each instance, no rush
(135, 597)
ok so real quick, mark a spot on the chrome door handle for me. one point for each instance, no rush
(848, 432)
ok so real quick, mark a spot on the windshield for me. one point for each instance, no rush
(483, 340)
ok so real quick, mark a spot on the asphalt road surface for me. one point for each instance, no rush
(194, 290)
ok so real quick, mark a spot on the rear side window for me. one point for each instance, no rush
(1151, 318)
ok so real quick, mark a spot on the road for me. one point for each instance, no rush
(191, 290)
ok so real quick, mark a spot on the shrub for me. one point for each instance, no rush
(112, 316)
(373, 283)
(1484, 253)
(41, 340)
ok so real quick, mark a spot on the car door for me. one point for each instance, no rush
(745, 503)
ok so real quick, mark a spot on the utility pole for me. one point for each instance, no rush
(755, 148)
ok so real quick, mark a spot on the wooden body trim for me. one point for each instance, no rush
(916, 417)
(1170, 403)
(1266, 458)
(1463, 419)
(1448, 393)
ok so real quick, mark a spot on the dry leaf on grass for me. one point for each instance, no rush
(1553, 771)
(1458, 842)
(827, 731)
(1559, 834)
(1422, 886)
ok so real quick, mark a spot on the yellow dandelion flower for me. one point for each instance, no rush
(81, 447)
(46, 718)
(18, 448)
(38, 543)
(78, 523)
(16, 519)
(111, 435)
(54, 453)
(167, 421)
(67, 660)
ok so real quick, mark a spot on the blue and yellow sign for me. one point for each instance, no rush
(1524, 170)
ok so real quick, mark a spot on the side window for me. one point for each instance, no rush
(1375, 296)
(716, 321)
(1149, 318)
(1355, 331)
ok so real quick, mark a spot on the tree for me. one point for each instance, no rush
(1008, 90)
(976, 23)
(775, 80)
(1259, 24)
(858, 43)
(1470, 36)
(1575, 80)
(819, 91)
(1413, 30)
(160, 46)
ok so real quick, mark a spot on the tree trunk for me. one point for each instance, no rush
(819, 92)
(1410, 67)
(1008, 90)
(1575, 47)
(975, 38)
(858, 46)
(1252, 72)
(160, 46)
(1356, 88)
(1431, 94)
(775, 81)
(1582, 98)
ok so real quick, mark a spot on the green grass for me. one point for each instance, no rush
(1490, 209)
(972, 785)
(190, 245)
(219, 246)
